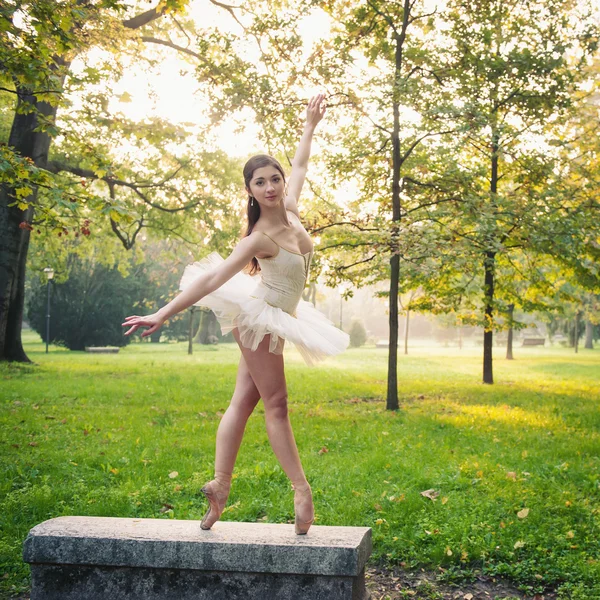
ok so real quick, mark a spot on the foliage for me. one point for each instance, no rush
(88, 308)
(358, 334)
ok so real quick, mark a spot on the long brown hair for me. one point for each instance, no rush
(253, 211)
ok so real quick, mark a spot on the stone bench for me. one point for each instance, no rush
(102, 349)
(534, 341)
(107, 558)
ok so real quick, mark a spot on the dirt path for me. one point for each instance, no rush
(395, 584)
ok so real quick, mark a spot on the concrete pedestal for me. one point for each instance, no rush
(105, 558)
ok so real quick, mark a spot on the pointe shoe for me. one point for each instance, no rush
(217, 495)
(303, 506)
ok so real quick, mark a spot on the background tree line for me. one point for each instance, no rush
(463, 137)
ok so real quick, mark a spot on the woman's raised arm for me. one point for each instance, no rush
(200, 287)
(314, 113)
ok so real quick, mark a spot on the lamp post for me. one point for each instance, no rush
(341, 289)
(50, 274)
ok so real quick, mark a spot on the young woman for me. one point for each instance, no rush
(262, 312)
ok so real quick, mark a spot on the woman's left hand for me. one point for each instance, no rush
(315, 110)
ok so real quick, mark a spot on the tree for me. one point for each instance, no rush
(358, 334)
(40, 40)
(38, 43)
(89, 307)
(514, 77)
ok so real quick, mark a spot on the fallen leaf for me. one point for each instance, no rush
(523, 513)
(518, 544)
(448, 551)
(444, 499)
(173, 474)
(570, 534)
(324, 450)
(468, 597)
(431, 494)
(511, 475)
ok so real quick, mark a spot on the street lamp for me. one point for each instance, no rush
(50, 274)
(341, 290)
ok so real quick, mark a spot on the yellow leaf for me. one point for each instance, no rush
(23, 191)
(379, 522)
(570, 534)
(444, 499)
(173, 474)
(448, 551)
(523, 513)
(518, 545)
(524, 454)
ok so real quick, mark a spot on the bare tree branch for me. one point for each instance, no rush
(143, 18)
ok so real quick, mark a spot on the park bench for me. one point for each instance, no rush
(534, 341)
(109, 558)
(102, 349)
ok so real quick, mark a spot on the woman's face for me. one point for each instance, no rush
(267, 186)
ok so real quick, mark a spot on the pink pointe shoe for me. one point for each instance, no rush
(217, 495)
(303, 506)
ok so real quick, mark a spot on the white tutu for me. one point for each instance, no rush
(240, 303)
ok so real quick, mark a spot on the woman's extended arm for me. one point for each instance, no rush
(314, 113)
(200, 287)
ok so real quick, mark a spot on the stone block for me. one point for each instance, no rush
(102, 558)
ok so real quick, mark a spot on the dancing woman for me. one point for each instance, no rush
(262, 312)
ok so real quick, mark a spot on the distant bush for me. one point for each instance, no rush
(358, 334)
(88, 308)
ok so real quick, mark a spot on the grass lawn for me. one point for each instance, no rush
(514, 467)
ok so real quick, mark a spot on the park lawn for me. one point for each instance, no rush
(514, 467)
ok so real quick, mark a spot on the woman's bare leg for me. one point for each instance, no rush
(233, 423)
(229, 437)
(267, 372)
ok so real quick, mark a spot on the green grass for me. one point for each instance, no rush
(101, 434)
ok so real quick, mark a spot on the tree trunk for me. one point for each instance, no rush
(589, 335)
(406, 331)
(392, 390)
(577, 329)
(489, 265)
(509, 341)
(198, 338)
(191, 331)
(14, 241)
(488, 333)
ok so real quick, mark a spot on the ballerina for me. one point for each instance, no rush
(262, 311)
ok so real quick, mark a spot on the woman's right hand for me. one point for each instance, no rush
(153, 322)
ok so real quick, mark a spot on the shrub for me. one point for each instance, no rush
(358, 334)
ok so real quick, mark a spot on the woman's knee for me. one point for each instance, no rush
(276, 407)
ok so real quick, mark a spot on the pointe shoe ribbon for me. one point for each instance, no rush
(303, 506)
(216, 495)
